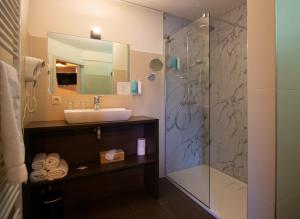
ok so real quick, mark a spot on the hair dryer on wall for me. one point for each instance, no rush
(32, 69)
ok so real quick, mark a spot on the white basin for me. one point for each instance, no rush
(101, 115)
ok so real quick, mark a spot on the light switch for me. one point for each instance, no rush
(56, 100)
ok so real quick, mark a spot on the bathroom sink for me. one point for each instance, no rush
(101, 115)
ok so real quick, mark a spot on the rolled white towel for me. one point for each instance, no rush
(59, 172)
(52, 161)
(38, 175)
(38, 162)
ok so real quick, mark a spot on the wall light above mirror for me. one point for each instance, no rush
(95, 33)
(86, 66)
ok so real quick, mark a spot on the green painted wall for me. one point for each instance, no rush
(288, 108)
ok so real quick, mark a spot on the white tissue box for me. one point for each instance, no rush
(118, 156)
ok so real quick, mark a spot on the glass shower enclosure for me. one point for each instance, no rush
(206, 109)
(187, 109)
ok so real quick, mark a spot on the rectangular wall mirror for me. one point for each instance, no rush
(86, 66)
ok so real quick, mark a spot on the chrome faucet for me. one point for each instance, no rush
(96, 102)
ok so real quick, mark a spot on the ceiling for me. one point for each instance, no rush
(190, 9)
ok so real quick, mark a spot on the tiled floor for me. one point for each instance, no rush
(173, 204)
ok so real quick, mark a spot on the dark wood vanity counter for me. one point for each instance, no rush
(62, 124)
(79, 146)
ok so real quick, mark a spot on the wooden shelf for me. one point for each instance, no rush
(95, 168)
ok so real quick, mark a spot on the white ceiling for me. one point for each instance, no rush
(190, 9)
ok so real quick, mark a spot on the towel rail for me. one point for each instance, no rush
(10, 207)
(10, 26)
(10, 41)
(17, 214)
(9, 201)
(15, 5)
(15, 13)
(9, 13)
(6, 29)
(9, 194)
(5, 22)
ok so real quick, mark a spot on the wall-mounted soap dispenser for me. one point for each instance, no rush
(139, 83)
(134, 87)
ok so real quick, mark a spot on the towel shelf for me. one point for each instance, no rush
(94, 169)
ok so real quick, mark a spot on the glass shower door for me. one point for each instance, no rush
(187, 109)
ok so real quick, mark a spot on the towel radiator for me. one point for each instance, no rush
(10, 195)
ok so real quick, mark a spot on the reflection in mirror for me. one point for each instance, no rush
(86, 66)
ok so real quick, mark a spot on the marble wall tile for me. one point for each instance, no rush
(206, 99)
(187, 97)
(228, 94)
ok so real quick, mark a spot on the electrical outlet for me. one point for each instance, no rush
(56, 100)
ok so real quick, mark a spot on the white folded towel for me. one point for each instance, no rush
(52, 161)
(38, 175)
(39, 161)
(58, 172)
(12, 145)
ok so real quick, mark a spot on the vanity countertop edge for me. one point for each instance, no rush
(62, 124)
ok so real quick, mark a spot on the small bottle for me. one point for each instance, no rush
(139, 87)
(141, 146)
(134, 87)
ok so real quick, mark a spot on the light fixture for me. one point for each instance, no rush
(96, 33)
(60, 64)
